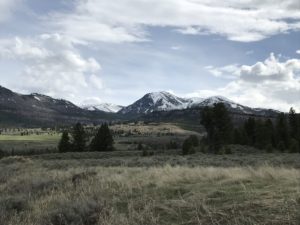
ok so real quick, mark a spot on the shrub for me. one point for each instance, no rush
(227, 150)
(13, 204)
(78, 212)
(269, 148)
(140, 147)
(281, 146)
(189, 145)
(2, 153)
(146, 153)
(194, 140)
(172, 145)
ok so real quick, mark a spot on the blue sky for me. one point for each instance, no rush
(92, 51)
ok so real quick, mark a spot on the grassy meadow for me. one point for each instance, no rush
(125, 187)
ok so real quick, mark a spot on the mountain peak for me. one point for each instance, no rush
(156, 101)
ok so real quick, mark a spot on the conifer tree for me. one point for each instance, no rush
(103, 140)
(250, 127)
(293, 124)
(282, 134)
(217, 122)
(64, 143)
(79, 138)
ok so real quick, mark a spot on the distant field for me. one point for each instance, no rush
(43, 137)
(18, 144)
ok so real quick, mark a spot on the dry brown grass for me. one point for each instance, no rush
(33, 194)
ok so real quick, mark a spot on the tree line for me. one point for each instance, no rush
(282, 133)
(77, 140)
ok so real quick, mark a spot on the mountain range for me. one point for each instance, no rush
(41, 110)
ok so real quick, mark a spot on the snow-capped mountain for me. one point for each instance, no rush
(156, 101)
(39, 110)
(164, 101)
(105, 107)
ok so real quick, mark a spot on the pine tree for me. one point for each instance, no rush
(260, 135)
(103, 140)
(293, 124)
(270, 133)
(64, 143)
(217, 122)
(282, 134)
(79, 138)
(250, 127)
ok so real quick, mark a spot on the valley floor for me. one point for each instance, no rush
(81, 189)
(123, 187)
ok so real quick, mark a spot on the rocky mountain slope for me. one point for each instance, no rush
(42, 110)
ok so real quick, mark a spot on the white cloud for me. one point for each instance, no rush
(229, 71)
(269, 84)
(6, 8)
(270, 70)
(176, 47)
(127, 20)
(53, 66)
(250, 52)
(96, 82)
(298, 51)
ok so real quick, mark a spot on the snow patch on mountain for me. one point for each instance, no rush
(105, 107)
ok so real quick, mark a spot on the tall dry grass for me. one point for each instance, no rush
(34, 194)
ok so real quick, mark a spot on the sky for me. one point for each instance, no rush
(93, 51)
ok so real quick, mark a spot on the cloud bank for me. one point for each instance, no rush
(271, 83)
(127, 20)
(52, 65)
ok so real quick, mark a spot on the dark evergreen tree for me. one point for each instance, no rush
(260, 135)
(282, 135)
(64, 143)
(103, 140)
(264, 134)
(218, 125)
(207, 120)
(294, 146)
(293, 124)
(79, 138)
(270, 133)
(250, 128)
